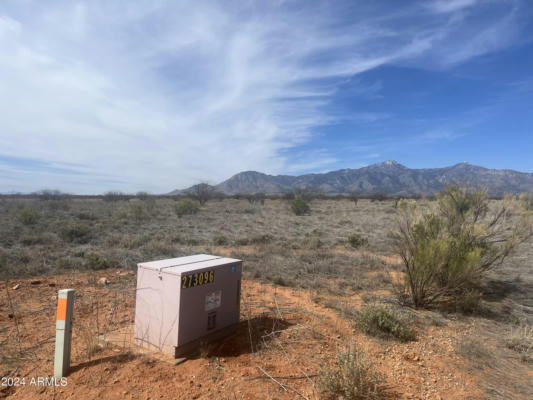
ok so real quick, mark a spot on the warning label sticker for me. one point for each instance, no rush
(213, 300)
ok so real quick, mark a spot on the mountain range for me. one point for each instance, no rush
(387, 177)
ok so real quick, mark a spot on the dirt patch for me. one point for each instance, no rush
(283, 341)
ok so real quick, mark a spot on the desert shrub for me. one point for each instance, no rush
(446, 249)
(69, 262)
(467, 301)
(354, 196)
(48, 194)
(312, 242)
(157, 248)
(114, 196)
(97, 262)
(142, 195)
(356, 240)
(278, 280)
(308, 194)
(150, 205)
(32, 240)
(255, 198)
(383, 322)
(352, 378)
(137, 212)
(378, 197)
(58, 205)
(188, 241)
(28, 216)
(262, 239)
(299, 206)
(289, 195)
(148, 201)
(186, 207)
(76, 233)
(220, 240)
(520, 339)
(85, 216)
(527, 201)
(242, 241)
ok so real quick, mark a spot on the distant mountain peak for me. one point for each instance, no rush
(389, 177)
(388, 164)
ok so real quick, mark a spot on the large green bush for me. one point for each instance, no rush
(299, 206)
(447, 248)
(186, 207)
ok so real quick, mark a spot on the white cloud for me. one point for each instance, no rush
(447, 6)
(162, 94)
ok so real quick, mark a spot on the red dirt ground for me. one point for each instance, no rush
(292, 338)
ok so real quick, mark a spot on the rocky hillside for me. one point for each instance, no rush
(388, 177)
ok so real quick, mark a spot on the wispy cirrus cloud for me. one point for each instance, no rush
(162, 94)
(448, 6)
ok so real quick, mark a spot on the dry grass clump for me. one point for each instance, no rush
(479, 355)
(352, 378)
(384, 322)
(520, 339)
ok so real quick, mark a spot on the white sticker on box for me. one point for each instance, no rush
(213, 300)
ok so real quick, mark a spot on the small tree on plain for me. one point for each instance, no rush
(202, 193)
(307, 194)
(255, 198)
(51, 194)
(113, 196)
(354, 196)
(447, 249)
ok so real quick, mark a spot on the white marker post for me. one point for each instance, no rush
(65, 307)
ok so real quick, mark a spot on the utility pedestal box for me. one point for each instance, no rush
(183, 301)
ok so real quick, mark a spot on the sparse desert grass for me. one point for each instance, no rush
(352, 378)
(475, 351)
(311, 252)
(123, 231)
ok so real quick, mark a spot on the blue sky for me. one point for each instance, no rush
(158, 95)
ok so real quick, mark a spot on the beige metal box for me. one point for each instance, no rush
(182, 301)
